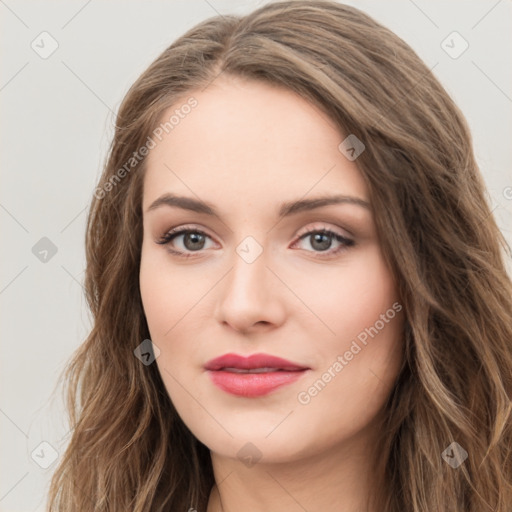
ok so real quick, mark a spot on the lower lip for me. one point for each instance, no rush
(253, 384)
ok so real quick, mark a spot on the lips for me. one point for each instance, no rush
(256, 375)
(254, 362)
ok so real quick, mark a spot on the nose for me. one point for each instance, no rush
(251, 296)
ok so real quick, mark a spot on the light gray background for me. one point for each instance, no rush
(57, 118)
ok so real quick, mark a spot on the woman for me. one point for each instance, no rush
(299, 292)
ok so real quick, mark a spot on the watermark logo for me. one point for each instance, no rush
(454, 455)
(147, 352)
(249, 454)
(44, 250)
(249, 249)
(44, 455)
(454, 45)
(45, 45)
(351, 147)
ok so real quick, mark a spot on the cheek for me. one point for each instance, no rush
(346, 299)
(157, 300)
(168, 293)
(360, 358)
(168, 297)
(175, 302)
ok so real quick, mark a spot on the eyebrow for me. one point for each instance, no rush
(286, 209)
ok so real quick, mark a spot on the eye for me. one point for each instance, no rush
(321, 241)
(193, 240)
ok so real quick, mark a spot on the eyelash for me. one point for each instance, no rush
(171, 235)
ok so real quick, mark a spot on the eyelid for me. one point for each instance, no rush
(323, 226)
(318, 226)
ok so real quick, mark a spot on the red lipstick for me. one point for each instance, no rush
(256, 375)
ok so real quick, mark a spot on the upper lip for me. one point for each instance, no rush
(252, 362)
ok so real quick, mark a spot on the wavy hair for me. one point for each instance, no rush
(129, 449)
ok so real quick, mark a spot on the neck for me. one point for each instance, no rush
(339, 480)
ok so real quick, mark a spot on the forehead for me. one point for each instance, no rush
(248, 141)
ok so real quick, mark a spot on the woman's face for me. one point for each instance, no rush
(255, 168)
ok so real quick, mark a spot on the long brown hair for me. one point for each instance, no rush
(129, 449)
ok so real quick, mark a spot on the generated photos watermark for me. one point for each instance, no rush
(151, 142)
(361, 341)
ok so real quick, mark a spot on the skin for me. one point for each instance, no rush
(246, 148)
